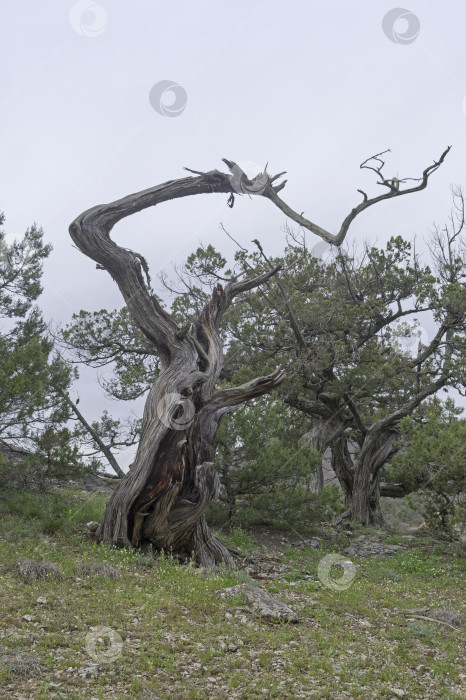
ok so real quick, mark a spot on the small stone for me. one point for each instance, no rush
(92, 526)
(53, 686)
(41, 600)
(28, 618)
(260, 601)
(398, 692)
(232, 647)
(211, 679)
(91, 672)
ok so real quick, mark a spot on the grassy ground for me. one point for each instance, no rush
(170, 635)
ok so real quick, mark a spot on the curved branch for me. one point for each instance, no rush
(337, 239)
(91, 234)
(234, 288)
(233, 396)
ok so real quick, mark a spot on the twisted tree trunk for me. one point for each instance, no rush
(163, 498)
(342, 465)
(322, 435)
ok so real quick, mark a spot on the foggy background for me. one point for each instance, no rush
(310, 87)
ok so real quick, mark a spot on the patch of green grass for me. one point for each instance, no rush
(239, 539)
(176, 632)
(54, 512)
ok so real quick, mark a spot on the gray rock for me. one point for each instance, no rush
(96, 484)
(260, 601)
(90, 672)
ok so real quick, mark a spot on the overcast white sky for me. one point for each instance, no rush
(311, 87)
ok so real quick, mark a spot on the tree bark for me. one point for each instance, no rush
(320, 437)
(365, 502)
(342, 465)
(365, 499)
(163, 499)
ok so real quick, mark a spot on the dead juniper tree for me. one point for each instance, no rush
(163, 498)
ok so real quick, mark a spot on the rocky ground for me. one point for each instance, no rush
(350, 614)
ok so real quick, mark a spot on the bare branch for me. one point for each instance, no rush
(237, 287)
(239, 394)
(337, 239)
(91, 234)
(292, 316)
(95, 436)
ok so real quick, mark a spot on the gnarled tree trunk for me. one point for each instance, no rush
(342, 465)
(163, 498)
(378, 446)
(321, 436)
(365, 499)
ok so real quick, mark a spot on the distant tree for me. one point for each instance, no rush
(265, 471)
(432, 461)
(434, 367)
(33, 414)
(336, 327)
(343, 311)
(112, 339)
